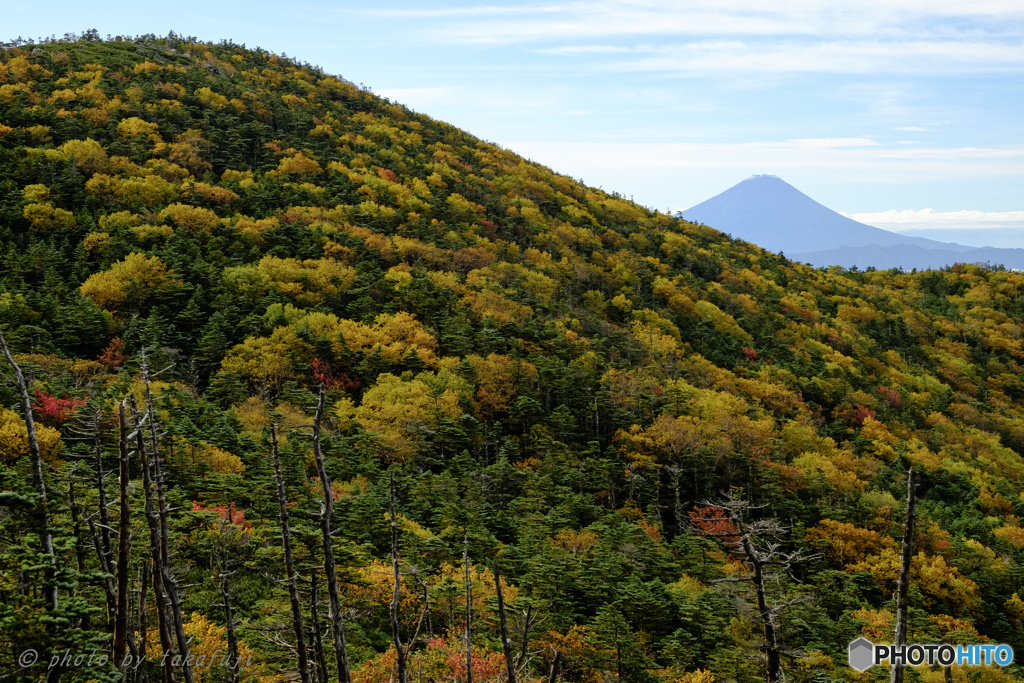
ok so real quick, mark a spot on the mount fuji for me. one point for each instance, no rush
(769, 212)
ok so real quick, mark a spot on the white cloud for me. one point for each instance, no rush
(584, 49)
(833, 56)
(448, 12)
(911, 219)
(674, 173)
(833, 142)
(866, 18)
(867, 157)
(902, 36)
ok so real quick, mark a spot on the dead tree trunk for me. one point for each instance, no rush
(42, 514)
(156, 548)
(554, 674)
(528, 621)
(755, 540)
(140, 672)
(101, 490)
(91, 427)
(506, 644)
(903, 588)
(76, 523)
(170, 584)
(469, 609)
(396, 565)
(318, 640)
(326, 512)
(289, 561)
(426, 606)
(771, 640)
(229, 618)
(120, 639)
(676, 471)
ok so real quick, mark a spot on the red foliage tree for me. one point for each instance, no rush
(862, 414)
(229, 513)
(711, 520)
(55, 411)
(324, 374)
(114, 355)
(891, 396)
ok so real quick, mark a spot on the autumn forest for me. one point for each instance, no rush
(303, 386)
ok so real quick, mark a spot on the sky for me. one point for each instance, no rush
(906, 114)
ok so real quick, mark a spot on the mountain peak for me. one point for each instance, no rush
(768, 211)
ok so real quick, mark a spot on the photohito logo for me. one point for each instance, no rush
(864, 654)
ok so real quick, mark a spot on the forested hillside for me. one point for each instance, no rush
(202, 243)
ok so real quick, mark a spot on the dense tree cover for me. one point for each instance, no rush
(556, 378)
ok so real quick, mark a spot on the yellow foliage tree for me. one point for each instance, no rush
(188, 151)
(191, 218)
(266, 362)
(722, 321)
(44, 217)
(306, 282)
(499, 379)
(397, 410)
(204, 454)
(209, 650)
(88, 155)
(847, 543)
(299, 164)
(133, 128)
(128, 283)
(489, 303)
(14, 439)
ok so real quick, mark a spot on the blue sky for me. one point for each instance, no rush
(907, 111)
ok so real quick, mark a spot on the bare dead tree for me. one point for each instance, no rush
(225, 594)
(326, 512)
(402, 650)
(90, 427)
(529, 621)
(42, 514)
(675, 471)
(469, 609)
(318, 640)
(556, 664)
(426, 600)
(289, 561)
(76, 526)
(396, 634)
(903, 587)
(140, 671)
(120, 639)
(156, 548)
(506, 644)
(757, 542)
(169, 582)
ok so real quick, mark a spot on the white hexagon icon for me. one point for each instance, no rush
(862, 654)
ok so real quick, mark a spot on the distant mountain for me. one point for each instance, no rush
(908, 256)
(768, 211)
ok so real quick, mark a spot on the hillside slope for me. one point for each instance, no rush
(556, 378)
